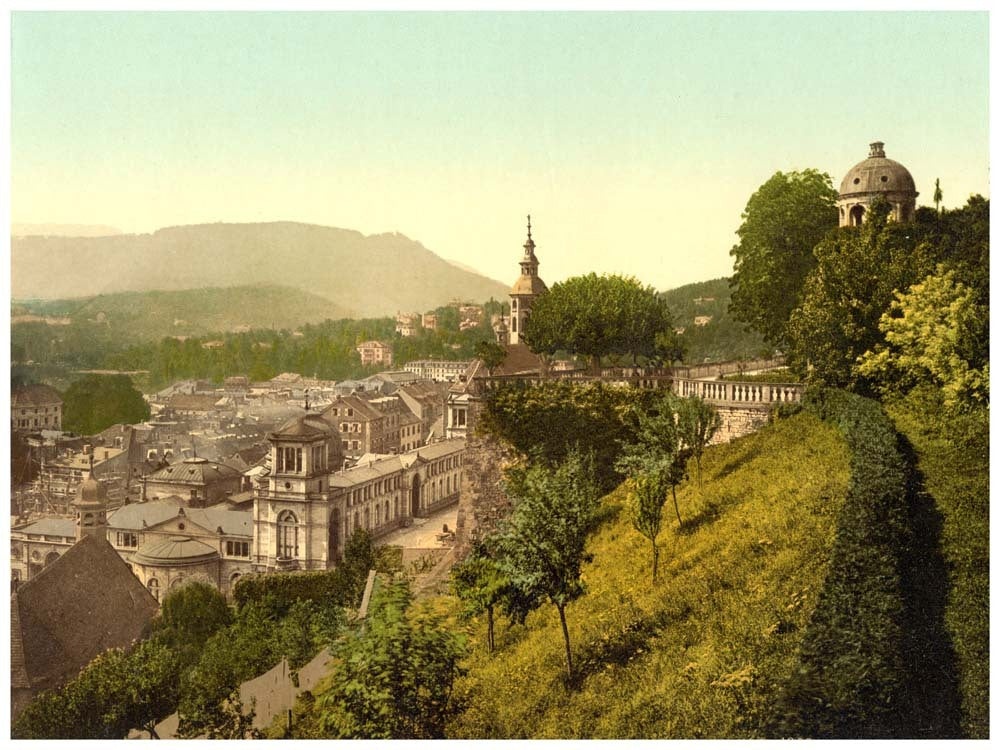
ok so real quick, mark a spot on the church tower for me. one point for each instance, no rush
(91, 507)
(527, 287)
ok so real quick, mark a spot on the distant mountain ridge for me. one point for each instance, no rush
(151, 315)
(62, 230)
(369, 275)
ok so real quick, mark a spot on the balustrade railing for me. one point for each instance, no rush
(730, 391)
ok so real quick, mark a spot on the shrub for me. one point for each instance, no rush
(852, 678)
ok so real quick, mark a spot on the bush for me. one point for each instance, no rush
(852, 677)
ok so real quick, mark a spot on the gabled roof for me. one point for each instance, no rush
(157, 512)
(77, 607)
(193, 402)
(37, 394)
(153, 512)
(307, 427)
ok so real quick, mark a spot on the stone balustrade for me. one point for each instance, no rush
(729, 392)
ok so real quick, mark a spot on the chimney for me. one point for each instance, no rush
(87, 449)
(877, 151)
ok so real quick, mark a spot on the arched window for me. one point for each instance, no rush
(51, 557)
(387, 511)
(857, 215)
(154, 588)
(288, 535)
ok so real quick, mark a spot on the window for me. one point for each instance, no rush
(238, 549)
(350, 412)
(288, 535)
(126, 539)
(154, 588)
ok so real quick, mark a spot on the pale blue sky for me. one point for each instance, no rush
(634, 139)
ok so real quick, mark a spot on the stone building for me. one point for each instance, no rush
(527, 287)
(362, 428)
(35, 407)
(374, 353)
(437, 369)
(199, 481)
(876, 178)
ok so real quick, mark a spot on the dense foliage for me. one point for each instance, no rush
(952, 457)
(550, 419)
(393, 680)
(596, 316)
(852, 674)
(782, 223)
(95, 402)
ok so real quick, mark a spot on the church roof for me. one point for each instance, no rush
(528, 285)
(877, 174)
(77, 607)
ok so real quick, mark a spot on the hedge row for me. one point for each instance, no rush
(851, 677)
(281, 590)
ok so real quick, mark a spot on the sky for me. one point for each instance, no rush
(633, 139)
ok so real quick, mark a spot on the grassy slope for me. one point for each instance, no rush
(953, 458)
(702, 653)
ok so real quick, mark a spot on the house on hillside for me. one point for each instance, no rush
(35, 407)
(374, 353)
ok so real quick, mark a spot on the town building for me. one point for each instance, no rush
(60, 476)
(437, 369)
(35, 407)
(407, 323)
(374, 353)
(429, 321)
(525, 290)
(876, 178)
(361, 426)
(196, 479)
(427, 401)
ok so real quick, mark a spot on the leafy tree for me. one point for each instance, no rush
(596, 316)
(191, 614)
(393, 680)
(697, 422)
(482, 587)
(95, 402)
(782, 223)
(657, 453)
(153, 685)
(645, 507)
(491, 353)
(934, 333)
(938, 195)
(542, 545)
(854, 283)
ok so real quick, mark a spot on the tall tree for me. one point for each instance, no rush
(491, 353)
(858, 272)
(938, 195)
(95, 402)
(782, 223)
(542, 544)
(596, 316)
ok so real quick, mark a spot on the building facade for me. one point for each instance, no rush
(437, 369)
(375, 353)
(35, 407)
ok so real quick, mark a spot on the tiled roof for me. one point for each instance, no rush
(175, 549)
(77, 607)
(65, 527)
(192, 402)
(194, 471)
(37, 394)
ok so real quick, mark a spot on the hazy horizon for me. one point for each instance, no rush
(633, 139)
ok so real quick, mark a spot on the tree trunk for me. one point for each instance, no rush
(489, 632)
(677, 510)
(569, 655)
(656, 557)
(152, 732)
(595, 364)
(697, 463)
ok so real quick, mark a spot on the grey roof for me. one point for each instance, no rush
(383, 467)
(131, 516)
(77, 607)
(195, 470)
(49, 527)
(175, 549)
(876, 174)
(37, 394)
(232, 522)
